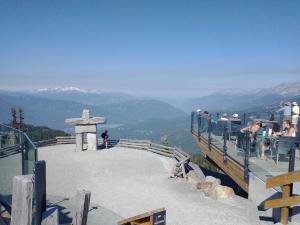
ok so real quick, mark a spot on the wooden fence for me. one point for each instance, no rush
(147, 145)
(286, 182)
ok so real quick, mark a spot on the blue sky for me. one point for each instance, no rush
(155, 47)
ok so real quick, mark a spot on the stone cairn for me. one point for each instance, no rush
(86, 125)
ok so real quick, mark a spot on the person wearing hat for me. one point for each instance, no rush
(286, 109)
(235, 119)
(224, 117)
(295, 114)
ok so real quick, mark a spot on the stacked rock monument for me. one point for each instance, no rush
(86, 125)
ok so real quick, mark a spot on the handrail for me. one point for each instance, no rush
(173, 152)
(285, 181)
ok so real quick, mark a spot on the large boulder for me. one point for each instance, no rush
(214, 180)
(194, 178)
(221, 192)
(205, 186)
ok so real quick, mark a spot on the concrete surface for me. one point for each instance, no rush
(128, 182)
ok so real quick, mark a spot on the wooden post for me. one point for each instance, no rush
(40, 190)
(284, 217)
(81, 207)
(50, 216)
(22, 200)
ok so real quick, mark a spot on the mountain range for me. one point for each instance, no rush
(139, 117)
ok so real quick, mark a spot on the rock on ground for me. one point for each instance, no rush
(221, 192)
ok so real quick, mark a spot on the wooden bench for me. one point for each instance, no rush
(155, 217)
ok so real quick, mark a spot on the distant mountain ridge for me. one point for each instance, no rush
(236, 100)
(53, 112)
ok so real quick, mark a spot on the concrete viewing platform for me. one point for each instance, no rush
(125, 182)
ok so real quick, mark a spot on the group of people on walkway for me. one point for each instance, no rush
(267, 130)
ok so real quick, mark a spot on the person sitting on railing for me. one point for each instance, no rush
(253, 129)
(287, 130)
(104, 136)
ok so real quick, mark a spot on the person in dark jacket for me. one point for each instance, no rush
(104, 136)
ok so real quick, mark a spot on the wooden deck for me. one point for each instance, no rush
(232, 167)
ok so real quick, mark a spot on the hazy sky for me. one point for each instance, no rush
(149, 47)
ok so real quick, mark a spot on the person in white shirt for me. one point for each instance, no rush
(287, 111)
(295, 114)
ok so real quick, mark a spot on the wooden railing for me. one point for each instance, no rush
(45, 142)
(286, 182)
(147, 145)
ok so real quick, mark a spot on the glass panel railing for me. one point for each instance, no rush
(274, 157)
(194, 122)
(266, 154)
(29, 155)
(17, 156)
(10, 157)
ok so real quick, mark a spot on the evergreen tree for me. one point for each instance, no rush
(14, 123)
(21, 120)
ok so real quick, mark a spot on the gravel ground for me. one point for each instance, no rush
(127, 182)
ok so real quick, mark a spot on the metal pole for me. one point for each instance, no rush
(192, 121)
(209, 133)
(199, 127)
(246, 158)
(225, 142)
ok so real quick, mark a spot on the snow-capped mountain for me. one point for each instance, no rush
(62, 89)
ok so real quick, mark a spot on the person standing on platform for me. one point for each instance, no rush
(104, 136)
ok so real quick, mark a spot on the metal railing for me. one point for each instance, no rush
(225, 135)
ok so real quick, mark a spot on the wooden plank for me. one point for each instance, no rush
(162, 146)
(183, 171)
(183, 152)
(282, 202)
(284, 212)
(141, 216)
(283, 179)
(161, 150)
(81, 207)
(50, 216)
(22, 200)
(231, 168)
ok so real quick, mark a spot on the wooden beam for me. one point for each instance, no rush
(145, 218)
(81, 207)
(284, 212)
(231, 168)
(282, 202)
(283, 179)
(21, 213)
